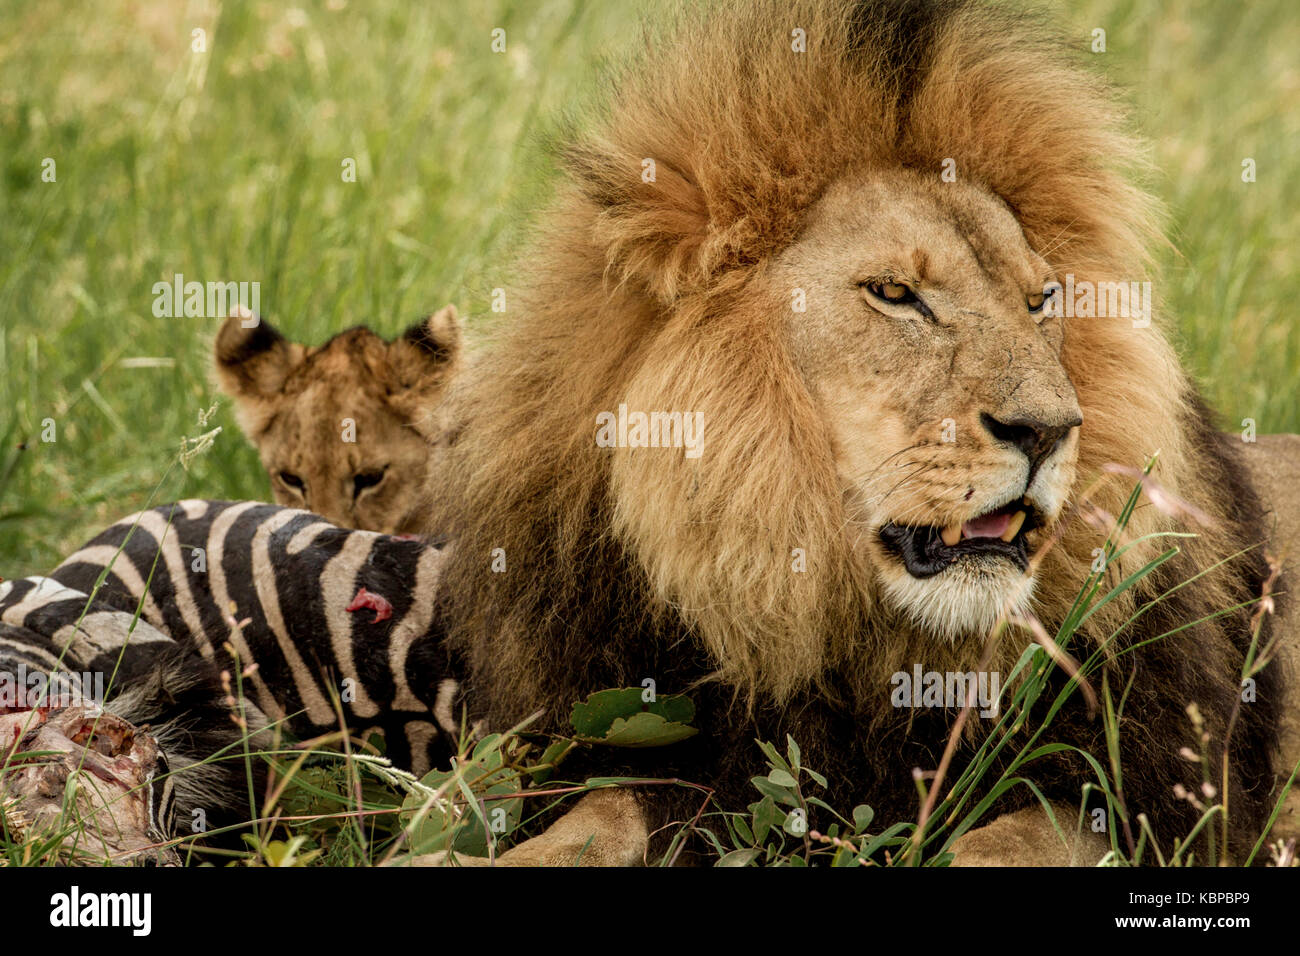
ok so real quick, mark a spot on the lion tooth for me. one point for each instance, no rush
(1013, 526)
(951, 534)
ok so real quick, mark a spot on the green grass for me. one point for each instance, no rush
(227, 165)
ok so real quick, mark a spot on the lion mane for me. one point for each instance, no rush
(639, 289)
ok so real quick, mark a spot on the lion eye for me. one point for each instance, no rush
(1035, 302)
(894, 292)
(292, 480)
(366, 479)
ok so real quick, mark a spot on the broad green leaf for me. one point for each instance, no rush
(779, 794)
(594, 717)
(781, 778)
(775, 758)
(766, 816)
(740, 857)
(642, 730)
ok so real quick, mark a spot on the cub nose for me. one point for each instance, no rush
(1036, 439)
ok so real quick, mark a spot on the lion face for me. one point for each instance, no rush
(935, 357)
(345, 430)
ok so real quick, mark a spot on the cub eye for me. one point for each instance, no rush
(292, 480)
(894, 292)
(366, 479)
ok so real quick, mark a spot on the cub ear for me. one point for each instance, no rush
(252, 358)
(426, 349)
(421, 363)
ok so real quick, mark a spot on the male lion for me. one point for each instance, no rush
(841, 234)
(345, 429)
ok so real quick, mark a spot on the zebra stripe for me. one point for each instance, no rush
(289, 579)
(318, 708)
(415, 623)
(340, 570)
(159, 526)
(217, 544)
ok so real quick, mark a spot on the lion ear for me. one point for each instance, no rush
(421, 361)
(652, 219)
(426, 349)
(253, 360)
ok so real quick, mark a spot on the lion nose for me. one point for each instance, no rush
(1036, 439)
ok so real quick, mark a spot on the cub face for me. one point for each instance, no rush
(936, 359)
(346, 429)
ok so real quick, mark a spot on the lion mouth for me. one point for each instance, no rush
(925, 550)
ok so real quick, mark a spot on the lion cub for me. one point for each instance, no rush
(345, 429)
